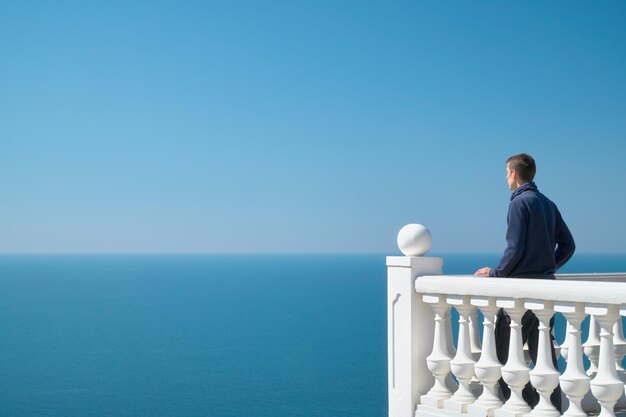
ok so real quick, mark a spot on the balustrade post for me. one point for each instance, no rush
(515, 372)
(462, 365)
(487, 368)
(544, 376)
(410, 327)
(574, 381)
(606, 386)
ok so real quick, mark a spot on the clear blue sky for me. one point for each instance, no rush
(299, 126)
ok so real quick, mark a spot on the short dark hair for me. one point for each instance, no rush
(524, 165)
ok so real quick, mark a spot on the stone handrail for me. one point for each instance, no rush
(553, 290)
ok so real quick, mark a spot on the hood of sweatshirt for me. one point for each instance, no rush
(529, 186)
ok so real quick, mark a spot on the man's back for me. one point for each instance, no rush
(535, 229)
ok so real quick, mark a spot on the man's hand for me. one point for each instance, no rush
(483, 272)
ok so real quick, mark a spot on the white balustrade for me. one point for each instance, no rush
(423, 360)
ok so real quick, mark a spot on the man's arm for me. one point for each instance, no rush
(517, 221)
(565, 242)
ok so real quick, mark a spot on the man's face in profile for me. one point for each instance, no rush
(510, 178)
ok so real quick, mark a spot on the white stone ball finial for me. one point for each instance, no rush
(414, 240)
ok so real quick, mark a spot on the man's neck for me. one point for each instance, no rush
(520, 184)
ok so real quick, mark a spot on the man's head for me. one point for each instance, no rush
(520, 169)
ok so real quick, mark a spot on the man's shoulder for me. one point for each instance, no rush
(531, 201)
(525, 197)
(545, 199)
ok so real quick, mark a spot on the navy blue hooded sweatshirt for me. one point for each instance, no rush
(538, 241)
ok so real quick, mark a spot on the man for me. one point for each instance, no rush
(538, 243)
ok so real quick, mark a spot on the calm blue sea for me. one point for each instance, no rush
(202, 335)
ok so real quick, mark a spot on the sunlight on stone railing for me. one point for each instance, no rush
(429, 377)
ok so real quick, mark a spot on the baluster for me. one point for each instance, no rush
(574, 381)
(544, 376)
(620, 351)
(515, 372)
(438, 361)
(474, 332)
(450, 381)
(462, 365)
(606, 386)
(488, 367)
(592, 346)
